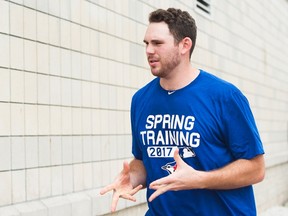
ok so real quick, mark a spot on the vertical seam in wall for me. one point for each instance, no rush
(49, 102)
(9, 69)
(61, 101)
(37, 84)
(24, 108)
(71, 99)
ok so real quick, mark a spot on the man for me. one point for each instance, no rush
(195, 141)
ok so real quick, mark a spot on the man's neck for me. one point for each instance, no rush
(179, 79)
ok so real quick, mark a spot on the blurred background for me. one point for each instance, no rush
(68, 70)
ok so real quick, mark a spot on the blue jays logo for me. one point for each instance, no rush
(170, 167)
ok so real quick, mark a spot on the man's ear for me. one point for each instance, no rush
(186, 45)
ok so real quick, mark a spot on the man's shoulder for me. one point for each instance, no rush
(215, 83)
(212, 78)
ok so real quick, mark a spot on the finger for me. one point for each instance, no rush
(156, 186)
(177, 157)
(135, 190)
(111, 187)
(158, 192)
(107, 189)
(115, 200)
(159, 182)
(126, 167)
(128, 197)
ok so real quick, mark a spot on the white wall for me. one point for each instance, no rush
(69, 68)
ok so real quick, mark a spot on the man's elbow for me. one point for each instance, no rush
(261, 175)
(260, 171)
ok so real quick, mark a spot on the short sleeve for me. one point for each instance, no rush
(136, 150)
(241, 132)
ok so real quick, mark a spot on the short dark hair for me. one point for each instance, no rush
(180, 24)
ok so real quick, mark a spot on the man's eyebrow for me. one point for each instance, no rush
(153, 41)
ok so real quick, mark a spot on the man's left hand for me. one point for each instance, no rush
(185, 177)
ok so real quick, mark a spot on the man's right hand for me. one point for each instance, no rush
(122, 187)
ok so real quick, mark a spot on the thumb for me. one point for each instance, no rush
(126, 167)
(177, 157)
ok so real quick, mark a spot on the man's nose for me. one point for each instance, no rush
(150, 49)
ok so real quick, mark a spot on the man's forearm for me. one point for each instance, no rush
(239, 173)
(137, 173)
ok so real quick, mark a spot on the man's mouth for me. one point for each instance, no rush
(153, 62)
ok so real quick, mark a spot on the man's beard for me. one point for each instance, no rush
(167, 66)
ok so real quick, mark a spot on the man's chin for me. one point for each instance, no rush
(156, 72)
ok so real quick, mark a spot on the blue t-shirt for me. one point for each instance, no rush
(211, 124)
